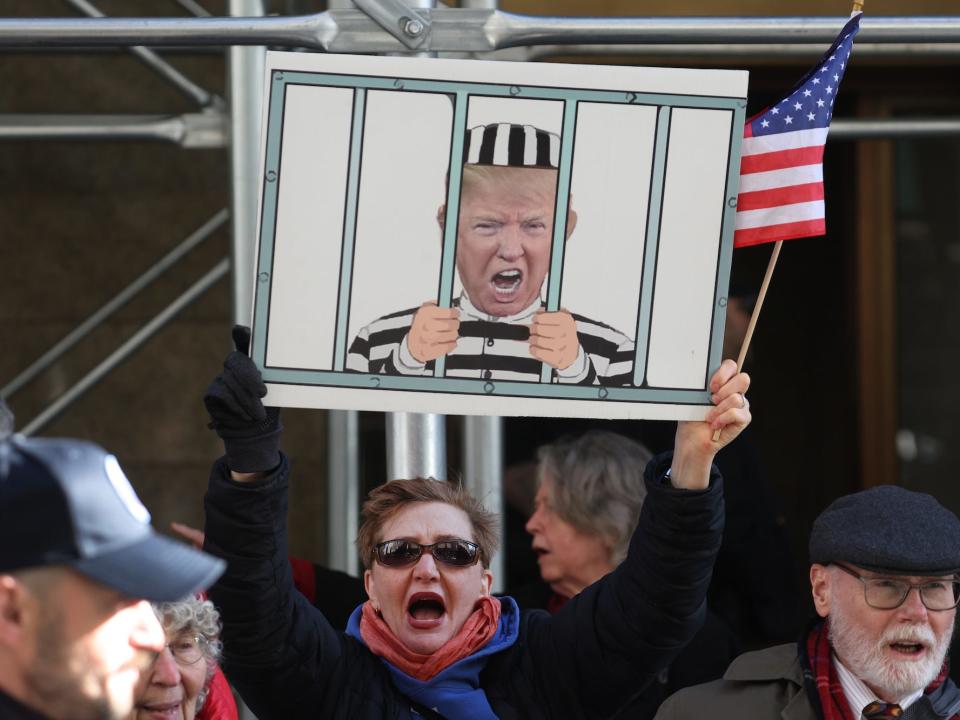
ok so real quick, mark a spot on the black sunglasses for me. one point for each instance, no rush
(401, 553)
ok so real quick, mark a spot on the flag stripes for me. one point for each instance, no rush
(781, 169)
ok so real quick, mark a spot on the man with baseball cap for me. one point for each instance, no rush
(78, 565)
(884, 566)
(498, 329)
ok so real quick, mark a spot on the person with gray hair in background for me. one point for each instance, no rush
(590, 489)
(178, 684)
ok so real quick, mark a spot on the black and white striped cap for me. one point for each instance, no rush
(510, 145)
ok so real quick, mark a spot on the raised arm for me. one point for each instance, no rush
(612, 639)
(278, 648)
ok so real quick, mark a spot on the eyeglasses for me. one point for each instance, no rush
(402, 553)
(188, 649)
(884, 593)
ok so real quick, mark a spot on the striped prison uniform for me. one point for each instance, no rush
(493, 348)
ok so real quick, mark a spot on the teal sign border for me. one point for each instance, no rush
(460, 93)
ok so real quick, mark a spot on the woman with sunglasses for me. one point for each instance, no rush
(178, 684)
(431, 642)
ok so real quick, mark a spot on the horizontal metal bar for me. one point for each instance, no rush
(127, 349)
(465, 30)
(799, 51)
(114, 304)
(103, 127)
(865, 129)
(194, 130)
(312, 31)
(507, 30)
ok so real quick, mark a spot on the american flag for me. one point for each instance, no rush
(781, 170)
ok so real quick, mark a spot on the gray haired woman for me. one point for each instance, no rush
(589, 493)
(177, 685)
(590, 490)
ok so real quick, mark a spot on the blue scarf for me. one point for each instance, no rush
(455, 692)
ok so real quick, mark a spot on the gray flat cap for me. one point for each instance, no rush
(888, 529)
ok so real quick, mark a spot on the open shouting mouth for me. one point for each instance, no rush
(425, 610)
(507, 282)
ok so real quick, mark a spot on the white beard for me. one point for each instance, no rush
(866, 658)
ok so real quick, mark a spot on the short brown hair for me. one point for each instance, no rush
(388, 499)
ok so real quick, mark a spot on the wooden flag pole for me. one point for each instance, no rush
(756, 313)
(756, 310)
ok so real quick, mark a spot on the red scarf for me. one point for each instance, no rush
(833, 702)
(476, 632)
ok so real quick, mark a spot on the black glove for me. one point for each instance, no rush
(250, 432)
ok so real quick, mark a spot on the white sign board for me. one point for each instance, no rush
(472, 237)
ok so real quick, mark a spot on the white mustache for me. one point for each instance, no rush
(914, 634)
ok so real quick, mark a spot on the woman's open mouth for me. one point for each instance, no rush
(507, 282)
(425, 610)
(162, 711)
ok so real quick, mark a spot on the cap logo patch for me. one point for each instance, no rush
(125, 490)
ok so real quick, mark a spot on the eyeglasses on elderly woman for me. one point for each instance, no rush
(403, 553)
(188, 649)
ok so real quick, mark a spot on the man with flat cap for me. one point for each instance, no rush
(78, 565)
(499, 329)
(883, 572)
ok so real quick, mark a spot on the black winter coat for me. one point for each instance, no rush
(606, 645)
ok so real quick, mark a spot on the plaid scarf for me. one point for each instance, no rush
(821, 680)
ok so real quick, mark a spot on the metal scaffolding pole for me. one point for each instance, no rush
(244, 94)
(193, 130)
(416, 446)
(343, 489)
(416, 443)
(464, 30)
(210, 129)
(483, 477)
(343, 474)
(245, 69)
(799, 52)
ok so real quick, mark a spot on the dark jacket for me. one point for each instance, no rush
(705, 658)
(10, 709)
(762, 685)
(606, 645)
(768, 685)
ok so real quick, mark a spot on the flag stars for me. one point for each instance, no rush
(775, 111)
(816, 81)
(797, 106)
(765, 123)
(829, 90)
(824, 69)
(820, 102)
(807, 93)
(831, 57)
(788, 120)
(836, 78)
(811, 116)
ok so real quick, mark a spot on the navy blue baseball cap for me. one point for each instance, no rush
(68, 502)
